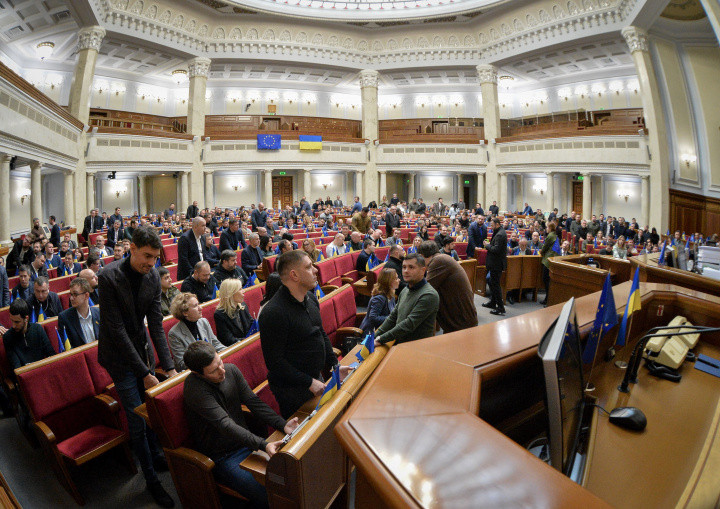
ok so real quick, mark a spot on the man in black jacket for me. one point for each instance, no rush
(130, 293)
(392, 220)
(21, 254)
(191, 248)
(192, 210)
(117, 216)
(44, 302)
(92, 224)
(200, 282)
(251, 257)
(228, 269)
(25, 342)
(394, 261)
(496, 263)
(54, 231)
(494, 209)
(231, 237)
(259, 217)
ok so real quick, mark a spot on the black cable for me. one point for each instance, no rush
(601, 408)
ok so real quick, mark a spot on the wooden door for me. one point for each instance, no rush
(578, 197)
(282, 190)
(272, 124)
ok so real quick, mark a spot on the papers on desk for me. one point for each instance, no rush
(708, 365)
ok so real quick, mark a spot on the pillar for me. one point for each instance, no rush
(184, 192)
(383, 185)
(461, 188)
(637, 41)
(89, 42)
(487, 76)
(142, 195)
(90, 190)
(503, 192)
(358, 187)
(68, 203)
(519, 193)
(549, 192)
(209, 189)
(712, 9)
(587, 196)
(645, 197)
(5, 200)
(197, 75)
(307, 183)
(565, 201)
(369, 96)
(597, 199)
(36, 191)
(481, 191)
(267, 196)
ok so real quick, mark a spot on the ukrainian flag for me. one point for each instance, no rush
(318, 291)
(252, 281)
(310, 142)
(368, 347)
(331, 388)
(605, 319)
(41, 315)
(61, 343)
(320, 257)
(633, 304)
(215, 290)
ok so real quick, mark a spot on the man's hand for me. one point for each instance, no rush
(377, 343)
(150, 380)
(291, 425)
(170, 373)
(3, 330)
(317, 387)
(273, 447)
(344, 372)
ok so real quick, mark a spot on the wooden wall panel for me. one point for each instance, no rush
(691, 213)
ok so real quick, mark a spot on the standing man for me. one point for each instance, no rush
(54, 231)
(81, 322)
(496, 263)
(338, 202)
(191, 248)
(361, 221)
(494, 209)
(294, 344)
(357, 206)
(392, 219)
(115, 234)
(457, 301)
(92, 224)
(169, 212)
(413, 317)
(116, 216)
(477, 233)
(259, 217)
(192, 210)
(130, 292)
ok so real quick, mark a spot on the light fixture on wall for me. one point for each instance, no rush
(179, 76)
(326, 184)
(44, 49)
(236, 186)
(436, 187)
(539, 189)
(25, 193)
(688, 159)
(623, 194)
(118, 188)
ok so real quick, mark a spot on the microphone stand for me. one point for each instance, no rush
(634, 365)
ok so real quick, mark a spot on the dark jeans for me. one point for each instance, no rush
(144, 442)
(495, 289)
(546, 281)
(290, 399)
(227, 471)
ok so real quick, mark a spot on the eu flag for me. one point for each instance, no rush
(254, 328)
(556, 246)
(605, 319)
(633, 304)
(268, 142)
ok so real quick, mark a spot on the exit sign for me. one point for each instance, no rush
(581, 178)
(467, 181)
(283, 173)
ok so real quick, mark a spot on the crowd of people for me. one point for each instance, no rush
(420, 290)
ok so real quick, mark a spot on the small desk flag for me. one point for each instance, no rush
(605, 319)
(633, 304)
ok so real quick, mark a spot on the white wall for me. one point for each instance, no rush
(445, 189)
(53, 189)
(19, 213)
(226, 196)
(531, 196)
(108, 199)
(335, 186)
(161, 192)
(617, 206)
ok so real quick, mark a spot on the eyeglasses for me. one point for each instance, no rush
(73, 294)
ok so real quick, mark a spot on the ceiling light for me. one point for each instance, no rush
(45, 49)
(179, 76)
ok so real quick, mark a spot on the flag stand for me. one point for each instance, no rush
(589, 387)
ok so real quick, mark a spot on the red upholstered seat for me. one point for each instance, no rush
(64, 299)
(326, 271)
(329, 319)
(170, 253)
(169, 404)
(168, 323)
(345, 264)
(271, 263)
(61, 284)
(381, 252)
(253, 296)
(208, 312)
(268, 397)
(251, 362)
(100, 377)
(461, 250)
(50, 327)
(345, 308)
(383, 229)
(88, 441)
(173, 271)
(480, 256)
(354, 256)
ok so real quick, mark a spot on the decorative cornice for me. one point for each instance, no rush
(90, 38)
(198, 66)
(487, 74)
(368, 78)
(636, 39)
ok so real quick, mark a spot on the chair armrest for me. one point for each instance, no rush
(329, 288)
(107, 403)
(9, 383)
(353, 274)
(45, 432)
(337, 352)
(344, 332)
(347, 280)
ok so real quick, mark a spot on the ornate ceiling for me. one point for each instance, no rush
(684, 10)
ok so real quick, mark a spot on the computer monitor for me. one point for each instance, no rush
(560, 351)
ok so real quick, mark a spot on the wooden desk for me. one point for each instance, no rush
(651, 272)
(417, 441)
(361, 287)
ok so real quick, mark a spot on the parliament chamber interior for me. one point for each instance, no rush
(511, 211)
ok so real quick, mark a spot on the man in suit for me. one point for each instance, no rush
(367, 252)
(23, 289)
(422, 208)
(251, 257)
(38, 267)
(201, 283)
(69, 265)
(169, 212)
(130, 294)
(43, 301)
(81, 322)
(496, 263)
(494, 209)
(259, 217)
(100, 246)
(54, 231)
(116, 216)
(105, 221)
(20, 254)
(394, 261)
(191, 248)
(91, 225)
(232, 237)
(192, 210)
(392, 220)
(52, 260)
(338, 202)
(477, 233)
(115, 234)
(439, 207)
(127, 232)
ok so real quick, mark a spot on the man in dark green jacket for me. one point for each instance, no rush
(414, 314)
(547, 252)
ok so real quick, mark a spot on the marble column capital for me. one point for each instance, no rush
(198, 67)
(90, 38)
(267, 171)
(645, 177)
(636, 38)
(550, 174)
(487, 74)
(5, 158)
(369, 78)
(35, 165)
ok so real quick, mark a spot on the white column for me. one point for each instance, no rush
(654, 114)
(481, 191)
(358, 187)
(645, 197)
(89, 42)
(587, 196)
(307, 186)
(383, 184)
(519, 193)
(370, 131)
(184, 191)
(197, 76)
(209, 190)
(268, 188)
(461, 188)
(68, 202)
(411, 188)
(503, 192)
(89, 191)
(487, 76)
(36, 190)
(5, 200)
(549, 192)
(142, 195)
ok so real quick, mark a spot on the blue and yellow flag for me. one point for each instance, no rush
(320, 257)
(215, 290)
(331, 388)
(605, 319)
(40, 315)
(252, 281)
(372, 262)
(661, 259)
(61, 343)
(318, 291)
(556, 246)
(268, 142)
(310, 142)
(633, 304)
(368, 347)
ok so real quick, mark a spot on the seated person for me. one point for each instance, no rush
(25, 342)
(52, 260)
(214, 395)
(118, 252)
(212, 253)
(361, 265)
(522, 248)
(37, 267)
(449, 248)
(228, 269)
(266, 246)
(308, 245)
(43, 301)
(168, 291)
(356, 243)
(81, 322)
(191, 327)
(382, 301)
(337, 246)
(232, 318)
(69, 265)
(23, 289)
(200, 283)
(619, 250)
(283, 247)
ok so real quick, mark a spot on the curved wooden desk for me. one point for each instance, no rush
(570, 276)
(416, 439)
(651, 272)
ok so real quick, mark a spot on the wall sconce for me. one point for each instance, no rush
(25, 194)
(616, 86)
(117, 88)
(236, 186)
(436, 187)
(581, 91)
(598, 89)
(539, 189)
(688, 159)
(118, 189)
(634, 86)
(290, 97)
(564, 93)
(623, 194)
(325, 185)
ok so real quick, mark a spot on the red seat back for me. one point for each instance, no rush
(345, 308)
(173, 271)
(329, 321)
(253, 296)
(480, 256)
(461, 249)
(64, 299)
(344, 264)
(61, 284)
(326, 271)
(208, 312)
(100, 377)
(271, 263)
(170, 253)
(171, 412)
(250, 361)
(5, 317)
(381, 252)
(50, 326)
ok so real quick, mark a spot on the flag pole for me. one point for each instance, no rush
(589, 387)
(623, 364)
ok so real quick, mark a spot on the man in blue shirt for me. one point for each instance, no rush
(357, 206)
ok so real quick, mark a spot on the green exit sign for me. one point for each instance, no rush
(283, 173)
(581, 178)
(467, 181)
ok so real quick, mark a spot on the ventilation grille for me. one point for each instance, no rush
(568, 145)
(429, 150)
(161, 145)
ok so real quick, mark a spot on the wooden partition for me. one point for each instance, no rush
(651, 272)
(570, 276)
(420, 432)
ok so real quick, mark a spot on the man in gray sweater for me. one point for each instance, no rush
(214, 394)
(414, 314)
